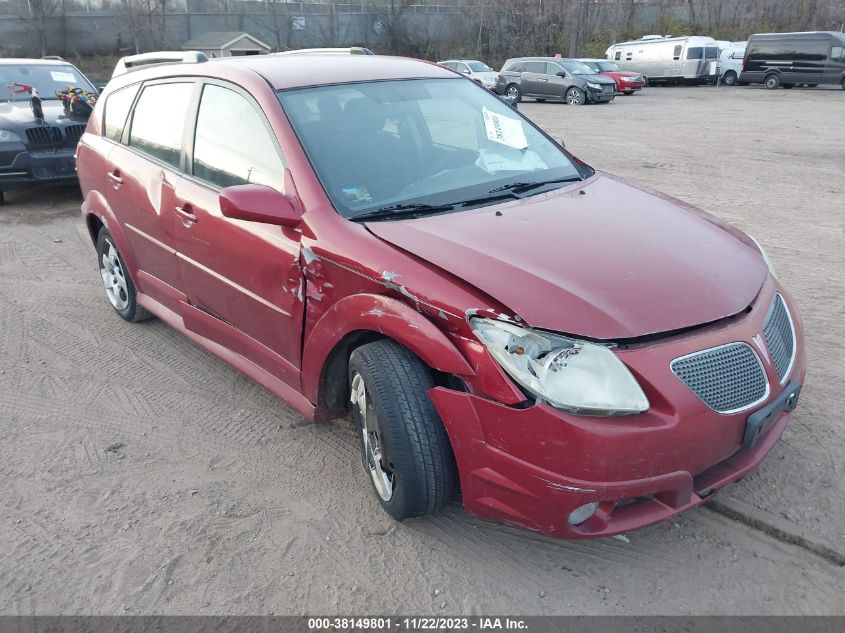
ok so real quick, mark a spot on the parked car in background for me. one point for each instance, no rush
(730, 63)
(474, 69)
(627, 82)
(668, 60)
(38, 135)
(788, 59)
(554, 79)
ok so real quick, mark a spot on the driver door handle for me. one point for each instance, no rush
(186, 214)
(115, 178)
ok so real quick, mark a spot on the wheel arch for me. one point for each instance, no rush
(359, 319)
(98, 214)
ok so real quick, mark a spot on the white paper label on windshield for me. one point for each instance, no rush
(504, 129)
(58, 75)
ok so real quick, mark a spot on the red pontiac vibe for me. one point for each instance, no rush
(627, 82)
(581, 355)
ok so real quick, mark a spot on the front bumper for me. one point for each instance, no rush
(599, 96)
(532, 466)
(21, 168)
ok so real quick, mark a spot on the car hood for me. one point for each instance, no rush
(597, 78)
(19, 113)
(613, 262)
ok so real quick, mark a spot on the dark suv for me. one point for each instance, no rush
(37, 141)
(554, 79)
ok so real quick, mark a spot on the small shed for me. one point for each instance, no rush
(226, 44)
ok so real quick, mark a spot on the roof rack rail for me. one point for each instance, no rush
(136, 62)
(352, 50)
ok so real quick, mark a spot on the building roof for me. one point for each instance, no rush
(220, 39)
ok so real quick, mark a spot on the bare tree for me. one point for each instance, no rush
(36, 16)
(145, 21)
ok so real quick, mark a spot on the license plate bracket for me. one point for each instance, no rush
(759, 420)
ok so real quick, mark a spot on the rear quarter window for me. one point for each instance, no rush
(116, 111)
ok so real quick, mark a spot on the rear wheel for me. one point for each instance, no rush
(788, 86)
(406, 451)
(513, 93)
(575, 96)
(812, 85)
(729, 79)
(120, 289)
(771, 82)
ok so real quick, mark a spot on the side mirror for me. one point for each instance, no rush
(259, 203)
(559, 141)
(560, 73)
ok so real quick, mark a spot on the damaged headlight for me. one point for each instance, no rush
(569, 374)
(593, 85)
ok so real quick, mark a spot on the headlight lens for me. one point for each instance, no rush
(765, 257)
(594, 86)
(576, 376)
(6, 136)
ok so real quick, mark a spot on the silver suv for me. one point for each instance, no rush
(554, 79)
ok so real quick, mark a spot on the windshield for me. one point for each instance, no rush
(577, 68)
(46, 79)
(608, 67)
(478, 67)
(419, 142)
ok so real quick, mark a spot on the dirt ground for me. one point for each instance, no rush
(140, 475)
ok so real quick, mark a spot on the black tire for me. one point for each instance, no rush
(788, 86)
(843, 84)
(812, 85)
(540, 100)
(132, 312)
(729, 78)
(416, 447)
(2, 198)
(513, 91)
(771, 81)
(575, 96)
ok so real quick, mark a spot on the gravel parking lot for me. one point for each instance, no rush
(141, 475)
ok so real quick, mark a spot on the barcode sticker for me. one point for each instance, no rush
(504, 129)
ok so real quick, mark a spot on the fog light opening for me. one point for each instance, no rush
(582, 513)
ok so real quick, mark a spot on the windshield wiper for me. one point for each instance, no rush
(416, 209)
(522, 187)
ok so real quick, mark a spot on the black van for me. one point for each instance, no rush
(787, 59)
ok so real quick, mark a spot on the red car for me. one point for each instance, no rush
(580, 355)
(626, 82)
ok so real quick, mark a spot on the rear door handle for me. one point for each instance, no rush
(186, 214)
(115, 178)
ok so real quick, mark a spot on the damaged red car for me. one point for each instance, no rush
(578, 355)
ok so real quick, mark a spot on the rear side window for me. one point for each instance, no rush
(233, 146)
(618, 55)
(535, 67)
(117, 111)
(159, 120)
(676, 54)
(695, 52)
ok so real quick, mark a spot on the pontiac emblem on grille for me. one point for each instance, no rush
(758, 340)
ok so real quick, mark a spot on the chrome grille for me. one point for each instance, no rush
(780, 336)
(727, 378)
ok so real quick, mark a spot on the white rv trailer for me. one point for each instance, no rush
(667, 59)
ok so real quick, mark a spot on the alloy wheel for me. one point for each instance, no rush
(114, 277)
(574, 97)
(375, 457)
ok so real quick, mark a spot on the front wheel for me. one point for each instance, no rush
(406, 451)
(772, 82)
(730, 78)
(575, 96)
(513, 93)
(120, 289)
